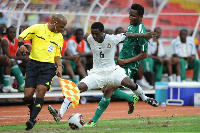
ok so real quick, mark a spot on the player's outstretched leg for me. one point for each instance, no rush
(56, 114)
(132, 104)
(90, 124)
(152, 102)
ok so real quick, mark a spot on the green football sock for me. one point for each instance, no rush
(122, 95)
(18, 74)
(6, 80)
(103, 104)
(75, 80)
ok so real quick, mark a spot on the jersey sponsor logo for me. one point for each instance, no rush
(109, 46)
(51, 48)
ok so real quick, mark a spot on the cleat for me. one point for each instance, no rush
(9, 89)
(132, 104)
(55, 113)
(152, 102)
(30, 124)
(90, 124)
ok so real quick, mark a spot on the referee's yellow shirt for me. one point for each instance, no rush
(45, 44)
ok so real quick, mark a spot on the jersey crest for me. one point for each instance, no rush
(109, 46)
(50, 48)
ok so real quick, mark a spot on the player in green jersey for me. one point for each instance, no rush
(134, 50)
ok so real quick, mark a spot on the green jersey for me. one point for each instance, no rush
(134, 46)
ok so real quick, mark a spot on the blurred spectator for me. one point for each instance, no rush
(10, 49)
(77, 46)
(3, 19)
(27, 43)
(161, 60)
(32, 19)
(184, 48)
(3, 30)
(72, 64)
(5, 68)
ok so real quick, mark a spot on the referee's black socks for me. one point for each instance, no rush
(37, 107)
(29, 103)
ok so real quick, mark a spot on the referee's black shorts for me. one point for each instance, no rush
(39, 73)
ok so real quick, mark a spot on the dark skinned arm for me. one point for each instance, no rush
(140, 56)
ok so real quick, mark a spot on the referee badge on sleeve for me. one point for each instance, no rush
(51, 48)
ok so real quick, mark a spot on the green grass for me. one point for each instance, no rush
(140, 124)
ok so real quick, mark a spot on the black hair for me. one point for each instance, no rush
(184, 30)
(11, 27)
(3, 29)
(98, 25)
(77, 30)
(139, 8)
(118, 29)
(157, 28)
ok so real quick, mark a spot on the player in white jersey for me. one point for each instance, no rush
(105, 71)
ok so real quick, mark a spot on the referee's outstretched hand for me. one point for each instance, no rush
(23, 49)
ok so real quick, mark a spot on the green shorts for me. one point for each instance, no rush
(73, 64)
(130, 72)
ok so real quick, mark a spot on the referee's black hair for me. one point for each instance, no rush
(11, 27)
(139, 8)
(98, 25)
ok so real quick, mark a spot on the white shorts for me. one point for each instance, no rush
(97, 78)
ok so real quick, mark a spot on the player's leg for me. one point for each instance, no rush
(176, 66)
(168, 65)
(6, 71)
(85, 84)
(80, 69)
(69, 70)
(195, 65)
(158, 70)
(103, 104)
(18, 74)
(127, 82)
(182, 63)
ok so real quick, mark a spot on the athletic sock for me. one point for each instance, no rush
(37, 107)
(6, 80)
(139, 92)
(122, 95)
(75, 80)
(29, 103)
(178, 78)
(103, 104)
(170, 78)
(64, 107)
(18, 74)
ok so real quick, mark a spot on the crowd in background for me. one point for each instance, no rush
(77, 58)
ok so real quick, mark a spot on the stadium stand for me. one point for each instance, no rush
(175, 15)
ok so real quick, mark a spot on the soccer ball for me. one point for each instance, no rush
(76, 121)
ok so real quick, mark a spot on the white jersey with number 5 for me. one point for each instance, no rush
(103, 53)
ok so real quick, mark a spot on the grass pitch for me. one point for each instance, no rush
(140, 124)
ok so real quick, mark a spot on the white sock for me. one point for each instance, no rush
(178, 78)
(64, 107)
(140, 93)
(171, 78)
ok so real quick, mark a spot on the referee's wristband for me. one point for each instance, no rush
(20, 44)
(60, 65)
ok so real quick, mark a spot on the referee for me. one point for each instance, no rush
(47, 42)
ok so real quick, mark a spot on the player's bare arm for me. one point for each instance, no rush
(147, 35)
(140, 56)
